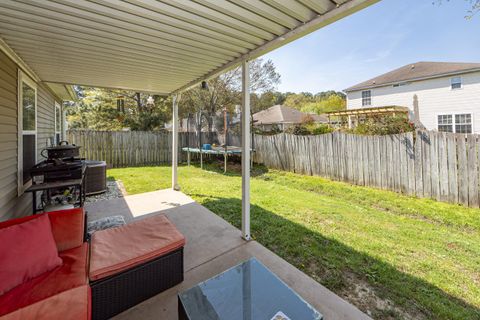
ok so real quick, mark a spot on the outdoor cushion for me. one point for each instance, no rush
(73, 304)
(27, 250)
(118, 249)
(68, 228)
(57, 290)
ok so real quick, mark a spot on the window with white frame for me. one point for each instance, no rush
(58, 123)
(463, 123)
(366, 98)
(458, 123)
(27, 124)
(445, 123)
(456, 83)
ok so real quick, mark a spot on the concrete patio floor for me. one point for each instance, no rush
(213, 246)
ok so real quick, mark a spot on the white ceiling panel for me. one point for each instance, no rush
(160, 46)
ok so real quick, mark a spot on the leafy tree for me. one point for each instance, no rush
(319, 103)
(265, 100)
(475, 7)
(330, 103)
(298, 100)
(224, 91)
(99, 109)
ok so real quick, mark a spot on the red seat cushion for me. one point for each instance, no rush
(72, 274)
(68, 227)
(27, 250)
(118, 249)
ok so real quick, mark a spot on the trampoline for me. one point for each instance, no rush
(229, 150)
(218, 138)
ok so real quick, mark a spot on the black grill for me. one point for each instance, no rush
(57, 170)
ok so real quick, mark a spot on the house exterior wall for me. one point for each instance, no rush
(435, 97)
(11, 204)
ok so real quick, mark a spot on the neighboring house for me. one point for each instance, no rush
(448, 94)
(31, 117)
(283, 117)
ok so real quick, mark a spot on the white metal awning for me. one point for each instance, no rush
(150, 45)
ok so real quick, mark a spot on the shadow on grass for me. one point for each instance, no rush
(330, 262)
(234, 168)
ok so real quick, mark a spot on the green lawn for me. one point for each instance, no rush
(394, 256)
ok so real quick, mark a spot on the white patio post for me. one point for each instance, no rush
(175, 185)
(245, 151)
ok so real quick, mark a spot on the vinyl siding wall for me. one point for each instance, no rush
(11, 205)
(435, 97)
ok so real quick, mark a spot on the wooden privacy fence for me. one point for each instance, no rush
(442, 166)
(123, 148)
(132, 148)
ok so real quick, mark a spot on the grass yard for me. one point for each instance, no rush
(393, 256)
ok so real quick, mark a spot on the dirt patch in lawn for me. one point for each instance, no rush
(361, 294)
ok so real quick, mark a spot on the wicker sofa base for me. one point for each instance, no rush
(120, 292)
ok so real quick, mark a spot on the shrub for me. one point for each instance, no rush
(383, 126)
(321, 129)
(298, 129)
(274, 130)
(309, 129)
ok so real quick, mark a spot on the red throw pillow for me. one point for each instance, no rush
(26, 250)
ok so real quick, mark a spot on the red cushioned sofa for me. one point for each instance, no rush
(62, 293)
(121, 267)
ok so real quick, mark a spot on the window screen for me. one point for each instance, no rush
(29, 108)
(29, 129)
(459, 123)
(463, 123)
(366, 98)
(58, 119)
(445, 123)
(456, 83)
(28, 155)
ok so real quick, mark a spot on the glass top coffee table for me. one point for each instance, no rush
(248, 291)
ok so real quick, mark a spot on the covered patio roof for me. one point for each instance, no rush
(154, 46)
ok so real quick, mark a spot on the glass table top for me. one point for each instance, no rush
(248, 291)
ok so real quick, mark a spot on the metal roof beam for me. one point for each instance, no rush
(306, 28)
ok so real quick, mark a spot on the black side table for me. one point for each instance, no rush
(77, 183)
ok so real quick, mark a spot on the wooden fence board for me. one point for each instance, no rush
(462, 169)
(472, 171)
(418, 164)
(433, 136)
(427, 177)
(478, 167)
(409, 142)
(452, 168)
(361, 162)
(443, 166)
(378, 172)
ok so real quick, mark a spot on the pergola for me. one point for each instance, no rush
(162, 47)
(368, 112)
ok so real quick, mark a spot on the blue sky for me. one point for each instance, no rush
(378, 39)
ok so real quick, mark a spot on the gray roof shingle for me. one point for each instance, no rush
(417, 71)
(283, 114)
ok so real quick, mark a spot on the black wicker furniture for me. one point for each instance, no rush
(133, 262)
(120, 292)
